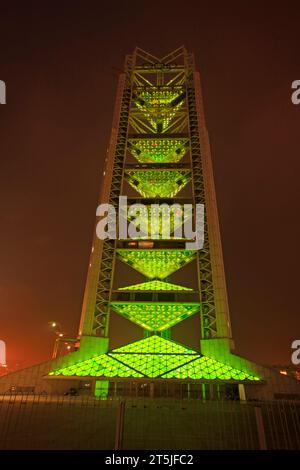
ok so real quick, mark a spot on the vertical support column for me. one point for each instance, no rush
(203, 392)
(96, 307)
(213, 231)
(120, 426)
(89, 301)
(260, 428)
(242, 393)
(151, 389)
(205, 281)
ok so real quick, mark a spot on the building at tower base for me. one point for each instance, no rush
(40, 379)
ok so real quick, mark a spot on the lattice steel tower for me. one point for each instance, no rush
(158, 153)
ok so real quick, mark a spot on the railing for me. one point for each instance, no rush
(83, 422)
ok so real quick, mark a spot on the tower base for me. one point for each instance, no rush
(216, 373)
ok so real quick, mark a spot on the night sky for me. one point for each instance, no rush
(60, 62)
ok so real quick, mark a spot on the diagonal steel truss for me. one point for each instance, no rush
(143, 71)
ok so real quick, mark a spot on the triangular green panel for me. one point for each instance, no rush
(98, 366)
(157, 183)
(156, 264)
(155, 316)
(153, 365)
(159, 106)
(158, 150)
(154, 357)
(208, 369)
(159, 221)
(157, 97)
(154, 345)
(156, 286)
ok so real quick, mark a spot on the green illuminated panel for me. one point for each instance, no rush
(159, 221)
(154, 345)
(159, 106)
(99, 366)
(157, 264)
(157, 183)
(153, 365)
(157, 97)
(156, 285)
(208, 369)
(158, 150)
(154, 316)
(155, 357)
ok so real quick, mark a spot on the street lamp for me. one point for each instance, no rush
(56, 328)
(60, 337)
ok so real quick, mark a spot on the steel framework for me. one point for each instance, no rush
(159, 150)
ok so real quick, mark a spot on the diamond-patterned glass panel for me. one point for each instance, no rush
(155, 316)
(158, 150)
(155, 345)
(155, 357)
(159, 105)
(208, 369)
(157, 183)
(152, 365)
(98, 366)
(156, 286)
(156, 264)
(159, 221)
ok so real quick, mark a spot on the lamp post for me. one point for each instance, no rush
(56, 328)
(60, 338)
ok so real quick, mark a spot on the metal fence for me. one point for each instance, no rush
(84, 422)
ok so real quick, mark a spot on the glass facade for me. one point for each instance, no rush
(155, 357)
(159, 124)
